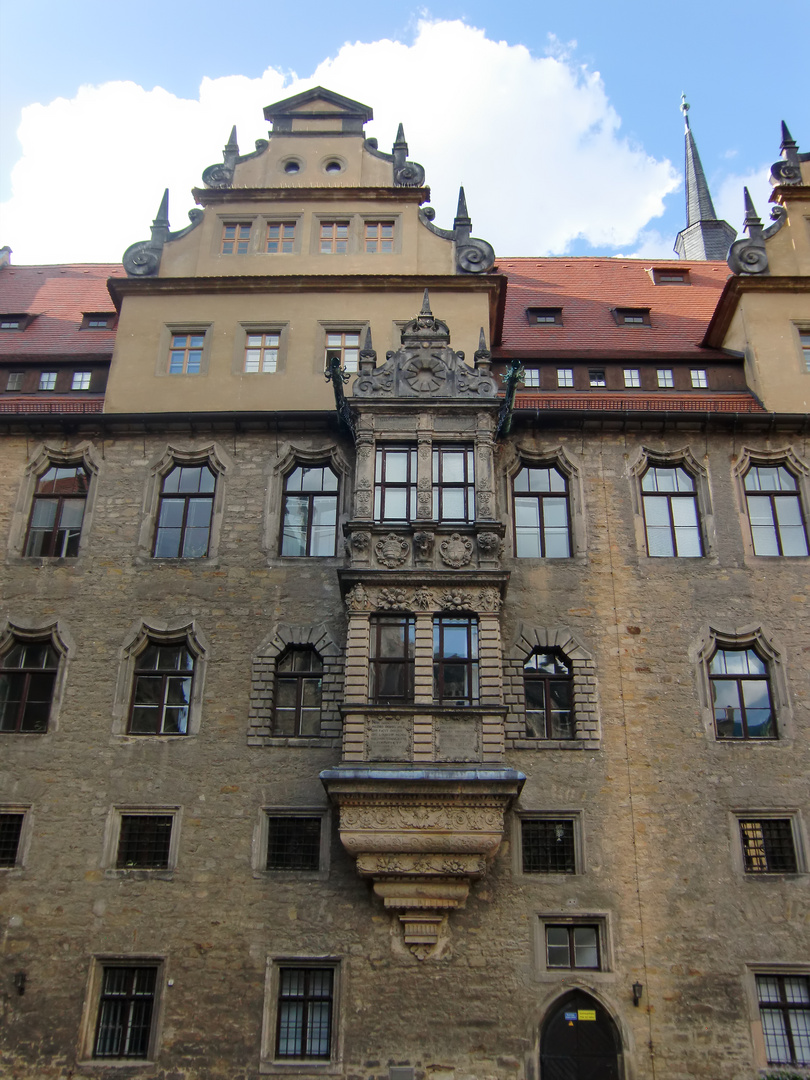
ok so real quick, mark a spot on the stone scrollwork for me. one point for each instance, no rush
(423, 544)
(456, 550)
(142, 259)
(475, 256)
(392, 550)
(490, 545)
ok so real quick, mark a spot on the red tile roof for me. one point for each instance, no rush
(53, 406)
(587, 289)
(57, 296)
(622, 402)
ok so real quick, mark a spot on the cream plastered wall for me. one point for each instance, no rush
(312, 150)
(416, 249)
(139, 379)
(766, 328)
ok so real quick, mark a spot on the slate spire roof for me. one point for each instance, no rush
(705, 236)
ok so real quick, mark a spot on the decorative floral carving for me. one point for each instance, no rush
(357, 599)
(489, 600)
(425, 373)
(490, 545)
(360, 542)
(485, 504)
(423, 542)
(362, 503)
(456, 550)
(424, 503)
(392, 550)
(450, 600)
(392, 599)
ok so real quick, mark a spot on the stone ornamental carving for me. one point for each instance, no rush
(424, 503)
(360, 542)
(357, 599)
(456, 550)
(392, 600)
(392, 550)
(423, 544)
(422, 598)
(473, 256)
(490, 545)
(425, 366)
(749, 256)
(143, 259)
(450, 600)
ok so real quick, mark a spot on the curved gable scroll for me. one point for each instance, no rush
(587, 730)
(263, 685)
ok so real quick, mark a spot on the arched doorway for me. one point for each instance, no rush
(579, 1041)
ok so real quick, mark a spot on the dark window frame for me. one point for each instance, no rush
(441, 487)
(768, 845)
(383, 486)
(671, 498)
(553, 848)
(597, 378)
(70, 534)
(306, 999)
(19, 319)
(144, 840)
(23, 676)
(719, 678)
(286, 851)
(664, 275)
(169, 497)
(468, 663)
(571, 929)
(379, 663)
(120, 1020)
(539, 496)
(786, 1007)
(794, 495)
(549, 681)
(158, 704)
(315, 501)
(544, 316)
(300, 677)
(12, 823)
(97, 320)
(632, 316)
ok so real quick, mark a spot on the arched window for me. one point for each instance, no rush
(57, 511)
(542, 513)
(28, 672)
(669, 498)
(184, 514)
(161, 696)
(741, 695)
(775, 511)
(299, 679)
(548, 682)
(309, 518)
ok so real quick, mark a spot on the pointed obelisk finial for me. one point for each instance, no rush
(461, 212)
(685, 110)
(752, 223)
(482, 355)
(162, 217)
(232, 140)
(368, 357)
(426, 304)
(789, 148)
(482, 341)
(400, 142)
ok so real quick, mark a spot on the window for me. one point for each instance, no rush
(741, 695)
(299, 681)
(10, 832)
(775, 511)
(235, 238)
(280, 237)
(379, 236)
(699, 379)
(804, 345)
(345, 346)
(391, 659)
(671, 521)
(632, 316)
(162, 689)
(81, 380)
(185, 355)
(547, 846)
(309, 521)
(15, 321)
(55, 525)
(144, 841)
(632, 378)
(97, 320)
(531, 377)
(572, 947)
(305, 1004)
(548, 684)
(47, 380)
(15, 380)
(544, 316)
(784, 1008)
(126, 1010)
(293, 843)
(542, 525)
(261, 351)
(184, 513)
(395, 483)
(28, 672)
(453, 483)
(666, 276)
(455, 660)
(565, 377)
(334, 236)
(596, 378)
(768, 846)
(665, 378)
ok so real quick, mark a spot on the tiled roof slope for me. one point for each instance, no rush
(57, 296)
(624, 403)
(587, 289)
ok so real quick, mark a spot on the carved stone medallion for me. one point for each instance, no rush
(456, 550)
(392, 550)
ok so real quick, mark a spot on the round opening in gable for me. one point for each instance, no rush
(333, 167)
(291, 167)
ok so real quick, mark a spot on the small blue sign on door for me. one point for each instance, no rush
(571, 1016)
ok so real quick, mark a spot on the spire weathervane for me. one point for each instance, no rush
(685, 110)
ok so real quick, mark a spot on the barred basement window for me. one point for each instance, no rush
(293, 843)
(126, 1011)
(305, 1004)
(144, 841)
(547, 846)
(784, 1008)
(10, 833)
(768, 846)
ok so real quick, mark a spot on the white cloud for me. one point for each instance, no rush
(728, 197)
(535, 142)
(652, 244)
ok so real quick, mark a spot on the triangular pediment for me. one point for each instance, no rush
(318, 102)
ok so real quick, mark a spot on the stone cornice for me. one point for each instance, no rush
(733, 290)
(227, 196)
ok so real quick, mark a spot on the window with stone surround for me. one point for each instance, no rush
(293, 842)
(455, 660)
(12, 823)
(57, 511)
(569, 655)
(272, 687)
(572, 946)
(301, 1014)
(309, 516)
(121, 1019)
(541, 515)
(547, 686)
(184, 504)
(769, 844)
(391, 659)
(672, 503)
(141, 838)
(773, 498)
(32, 677)
(548, 845)
(235, 237)
(784, 1011)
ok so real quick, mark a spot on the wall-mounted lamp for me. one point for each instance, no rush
(19, 982)
(638, 990)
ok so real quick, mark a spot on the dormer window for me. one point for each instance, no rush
(665, 275)
(14, 321)
(632, 316)
(544, 316)
(97, 320)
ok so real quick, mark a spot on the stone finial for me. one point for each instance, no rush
(143, 259)
(752, 223)
(787, 171)
(406, 173)
(482, 355)
(426, 303)
(789, 148)
(462, 219)
(400, 143)
(368, 356)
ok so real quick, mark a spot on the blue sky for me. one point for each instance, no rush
(612, 78)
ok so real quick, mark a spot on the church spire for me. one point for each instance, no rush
(705, 236)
